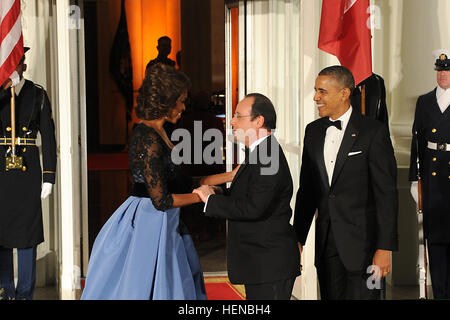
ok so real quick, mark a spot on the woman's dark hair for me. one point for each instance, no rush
(262, 106)
(160, 90)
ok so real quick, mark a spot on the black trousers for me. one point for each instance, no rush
(279, 290)
(439, 255)
(338, 283)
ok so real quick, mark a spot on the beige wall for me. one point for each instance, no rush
(410, 30)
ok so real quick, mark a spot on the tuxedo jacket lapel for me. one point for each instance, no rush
(242, 168)
(238, 173)
(267, 143)
(350, 136)
(318, 154)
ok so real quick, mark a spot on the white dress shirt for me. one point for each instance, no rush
(19, 87)
(251, 148)
(257, 142)
(333, 140)
(443, 98)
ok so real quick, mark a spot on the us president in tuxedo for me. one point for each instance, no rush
(262, 250)
(348, 174)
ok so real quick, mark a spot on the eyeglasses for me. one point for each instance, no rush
(238, 116)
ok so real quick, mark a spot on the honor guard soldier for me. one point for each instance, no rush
(164, 48)
(431, 144)
(21, 178)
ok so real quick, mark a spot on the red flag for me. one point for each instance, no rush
(345, 33)
(11, 39)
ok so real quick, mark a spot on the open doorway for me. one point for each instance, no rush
(197, 33)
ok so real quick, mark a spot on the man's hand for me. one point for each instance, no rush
(234, 171)
(203, 192)
(381, 263)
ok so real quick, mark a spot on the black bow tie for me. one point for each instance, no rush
(337, 123)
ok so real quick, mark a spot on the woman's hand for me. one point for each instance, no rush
(218, 179)
(203, 192)
(234, 171)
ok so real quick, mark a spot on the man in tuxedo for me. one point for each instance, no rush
(262, 248)
(431, 137)
(349, 174)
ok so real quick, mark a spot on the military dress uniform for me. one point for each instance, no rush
(431, 142)
(21, 224)
(160, 59)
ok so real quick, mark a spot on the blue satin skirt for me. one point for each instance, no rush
(139, 254)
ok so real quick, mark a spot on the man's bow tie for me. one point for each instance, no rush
(337, 123)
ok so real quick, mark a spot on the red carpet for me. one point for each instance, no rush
(220, 288)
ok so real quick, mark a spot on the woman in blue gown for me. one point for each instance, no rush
(144, 251)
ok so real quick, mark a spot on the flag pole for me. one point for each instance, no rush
(363, 99)
(13, 162)
(13, 121)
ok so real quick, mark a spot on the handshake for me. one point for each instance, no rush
(205, 191)
(209, 184)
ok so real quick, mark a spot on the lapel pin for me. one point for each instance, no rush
(353, 134)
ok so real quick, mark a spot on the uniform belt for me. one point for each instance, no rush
(439, 146)
(19, 142)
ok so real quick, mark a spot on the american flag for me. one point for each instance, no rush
(11, 39)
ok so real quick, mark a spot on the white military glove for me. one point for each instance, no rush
(415, 191)
(46, 189)
(15, 78)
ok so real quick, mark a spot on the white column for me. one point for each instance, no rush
(66, 163)
(37, 32)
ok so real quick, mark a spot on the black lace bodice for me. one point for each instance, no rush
(154, 174)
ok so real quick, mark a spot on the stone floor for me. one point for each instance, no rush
(392, 293)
